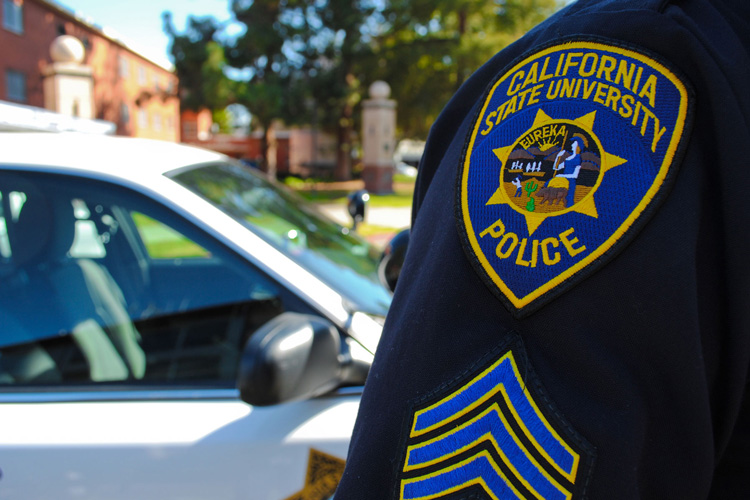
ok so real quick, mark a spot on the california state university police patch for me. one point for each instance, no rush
(570, 151)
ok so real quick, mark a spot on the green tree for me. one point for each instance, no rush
(304, 55)
(199, 63)
(308, 62)
(428, 48)
(340, 43)
(260, 57)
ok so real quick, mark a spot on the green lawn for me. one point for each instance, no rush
(163, 242)
(321, 192)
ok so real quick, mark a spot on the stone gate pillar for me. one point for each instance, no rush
(378, 139)
(68, 83)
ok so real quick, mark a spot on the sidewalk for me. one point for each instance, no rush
(381, 222)
(397, 218)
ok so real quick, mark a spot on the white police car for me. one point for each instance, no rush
(142, 283)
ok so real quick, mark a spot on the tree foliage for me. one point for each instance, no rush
(199, 63)
(311, 61)
(428, 48)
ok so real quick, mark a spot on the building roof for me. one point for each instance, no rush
(102, 31)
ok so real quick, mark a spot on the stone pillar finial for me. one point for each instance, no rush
(68, 82)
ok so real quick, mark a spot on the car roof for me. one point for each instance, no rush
(122, 157)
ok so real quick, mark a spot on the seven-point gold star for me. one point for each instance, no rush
(585, 206)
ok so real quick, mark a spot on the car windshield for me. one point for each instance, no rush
(342, 260)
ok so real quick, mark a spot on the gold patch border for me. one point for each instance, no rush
(558, 280)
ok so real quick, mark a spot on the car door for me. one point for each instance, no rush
(121, 326)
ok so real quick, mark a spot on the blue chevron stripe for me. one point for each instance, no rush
(501, 378)
(478, 470)
(489, 426)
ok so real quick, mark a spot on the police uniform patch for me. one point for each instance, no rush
(323, 475)
(494, 434)
(571, 149)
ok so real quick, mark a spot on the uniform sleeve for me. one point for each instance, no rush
(591, 346)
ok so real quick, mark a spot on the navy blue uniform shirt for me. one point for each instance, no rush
(586, 335)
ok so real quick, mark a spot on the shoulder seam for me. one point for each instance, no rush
(663, 6)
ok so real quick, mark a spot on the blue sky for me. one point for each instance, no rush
(138, 22)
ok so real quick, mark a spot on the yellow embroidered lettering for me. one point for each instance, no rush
(606, 67)
(649, 90)
(500, 112)
(637, 112)
(601, 91)
(568, 243)
(546, 257)
(613, 96)
(510, 244)
(591, 58)
(522, 98)
(535, 253)
(513, 88)
(588, 88)
(657, 134)
(569, 63)
(489, 123)
(558, 70)
(625, 74)
(537, 136)
(626, 105)
(513, 242)
(510, 107)
(646, 115)
(569, 88)
(534, 97)
(553, 90)
(637, 82)
(519, 258)
(495, 230)
(532, 76)
(544, 76)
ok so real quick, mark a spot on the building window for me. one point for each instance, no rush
(141, 76)
(157, 122)
(142, 118)
(124, 67)
(13, 15)
(15, 82)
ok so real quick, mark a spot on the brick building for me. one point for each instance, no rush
(138, 95)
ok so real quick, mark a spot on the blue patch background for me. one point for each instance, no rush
(621, 190)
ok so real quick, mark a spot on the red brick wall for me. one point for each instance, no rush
(29, 53)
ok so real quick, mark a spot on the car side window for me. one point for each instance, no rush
(101, 285)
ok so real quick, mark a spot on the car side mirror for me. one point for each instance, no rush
(294, 356)
(392, 259)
